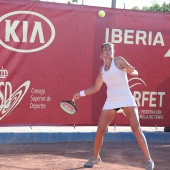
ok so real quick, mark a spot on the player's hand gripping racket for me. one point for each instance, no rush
(69, 106)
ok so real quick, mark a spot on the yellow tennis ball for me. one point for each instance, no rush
(101, 13)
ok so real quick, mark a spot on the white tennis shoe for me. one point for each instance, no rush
(92, 161)
(150, 165)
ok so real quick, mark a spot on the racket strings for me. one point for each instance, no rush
(68, 107)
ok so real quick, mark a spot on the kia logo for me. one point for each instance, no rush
(26, 31)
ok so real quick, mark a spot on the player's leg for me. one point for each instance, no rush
(133, 118)
(105, 119)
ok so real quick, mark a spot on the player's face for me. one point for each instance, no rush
(108, 51)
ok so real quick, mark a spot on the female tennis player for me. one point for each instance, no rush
(114, 74)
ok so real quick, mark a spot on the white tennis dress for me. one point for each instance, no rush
(118, 91)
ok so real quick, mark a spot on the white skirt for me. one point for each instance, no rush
(113, 103)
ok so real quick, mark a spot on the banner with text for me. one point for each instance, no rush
(50, 51)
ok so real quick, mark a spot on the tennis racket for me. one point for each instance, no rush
(69, 106)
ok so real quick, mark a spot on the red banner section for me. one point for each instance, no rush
(50, 51)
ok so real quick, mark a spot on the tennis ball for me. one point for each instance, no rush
(101, 13)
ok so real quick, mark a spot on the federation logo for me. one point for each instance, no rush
(139, 81)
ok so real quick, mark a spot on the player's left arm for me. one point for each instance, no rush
(124, 65)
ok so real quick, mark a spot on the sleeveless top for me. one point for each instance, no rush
(118, 91)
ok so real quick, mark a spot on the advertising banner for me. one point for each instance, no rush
(50, 51)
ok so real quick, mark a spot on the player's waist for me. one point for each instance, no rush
(118, 92)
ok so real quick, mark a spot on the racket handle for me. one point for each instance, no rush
(74, 102)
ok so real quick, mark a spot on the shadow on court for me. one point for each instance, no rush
(72, 156)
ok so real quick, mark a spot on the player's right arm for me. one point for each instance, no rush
(92, 89)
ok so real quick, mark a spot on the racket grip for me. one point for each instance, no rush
(74, 102)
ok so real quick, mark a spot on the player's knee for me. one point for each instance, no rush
(101, 130)
(136, 129)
